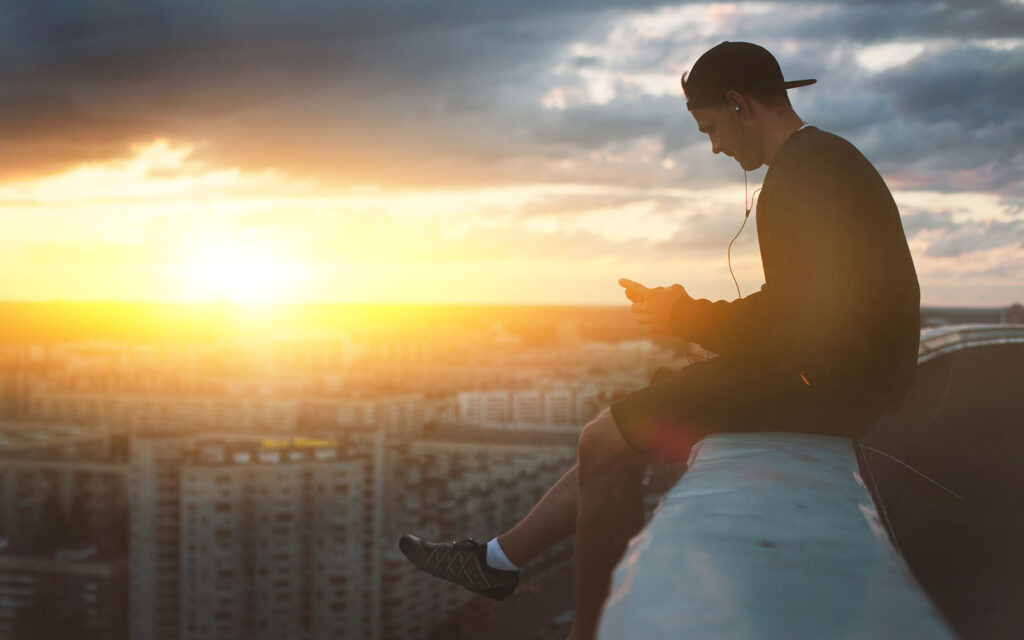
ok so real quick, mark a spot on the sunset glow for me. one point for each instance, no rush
(463, 190)
(225, 272)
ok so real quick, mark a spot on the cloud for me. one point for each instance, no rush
(972, 236)
(576, 103)
(574, 204)
(406, 93)
(916, 223)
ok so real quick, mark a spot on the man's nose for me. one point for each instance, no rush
(715, 148)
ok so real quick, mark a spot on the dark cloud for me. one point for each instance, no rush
(947, 120)
(417, 93)
(949, 238)
(971, 236)
(959, 111)
(969, 80)
(595, 126)
(47, 131)
(887, 20)
(916, 223)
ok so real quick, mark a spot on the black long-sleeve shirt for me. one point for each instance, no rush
(841, 302)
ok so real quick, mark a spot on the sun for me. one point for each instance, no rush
(228, 271)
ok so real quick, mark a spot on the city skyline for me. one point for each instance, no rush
(234, 486)
(194, 480)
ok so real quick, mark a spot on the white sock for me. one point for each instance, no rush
(496, 557)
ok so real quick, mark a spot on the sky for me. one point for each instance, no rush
(474, 151)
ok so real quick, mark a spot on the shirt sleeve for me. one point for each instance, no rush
(725, 328)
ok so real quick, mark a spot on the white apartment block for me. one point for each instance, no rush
(528, 408)
(237, 537)
(395, 415)
(271, 544)
(485, 407)
(558, 407)
(554, 407)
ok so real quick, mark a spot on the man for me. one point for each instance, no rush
(826, 346)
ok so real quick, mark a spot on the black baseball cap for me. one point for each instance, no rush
(733, 66)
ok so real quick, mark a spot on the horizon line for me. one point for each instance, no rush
(293, 304)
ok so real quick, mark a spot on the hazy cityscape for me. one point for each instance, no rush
(173, 486)
(221, 479)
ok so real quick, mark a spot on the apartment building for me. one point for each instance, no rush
(271, 542)
(51, 475)
(551, 405)
(154, 533)
(237, 536)
(450, 489)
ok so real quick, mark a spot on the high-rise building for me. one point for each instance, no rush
(271, 542)
(63, 525)
(242, 537)
(368, 446)
(155, 535)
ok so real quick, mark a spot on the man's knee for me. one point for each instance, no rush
(603, 449)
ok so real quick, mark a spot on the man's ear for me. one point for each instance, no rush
(737, 103)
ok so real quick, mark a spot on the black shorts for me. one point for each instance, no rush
(724, 395)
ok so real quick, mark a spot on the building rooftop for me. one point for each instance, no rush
(768, 535)
(776, 535)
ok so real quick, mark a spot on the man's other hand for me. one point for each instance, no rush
(653, 307)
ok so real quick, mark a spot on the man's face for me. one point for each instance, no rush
(722, 126)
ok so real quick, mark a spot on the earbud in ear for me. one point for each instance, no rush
(737, 109)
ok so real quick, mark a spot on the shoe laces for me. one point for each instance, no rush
(465, 545)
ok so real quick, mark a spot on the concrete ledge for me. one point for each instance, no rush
(768, 535)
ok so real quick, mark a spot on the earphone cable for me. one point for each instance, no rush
(746, 214)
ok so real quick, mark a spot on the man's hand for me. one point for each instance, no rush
(653, 306)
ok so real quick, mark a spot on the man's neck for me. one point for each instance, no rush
(779, 126)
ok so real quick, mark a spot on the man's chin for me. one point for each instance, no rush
(749, 164)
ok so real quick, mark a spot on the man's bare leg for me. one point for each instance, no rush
(552, 520)
(610, 511)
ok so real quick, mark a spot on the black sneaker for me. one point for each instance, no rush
(463, 562)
